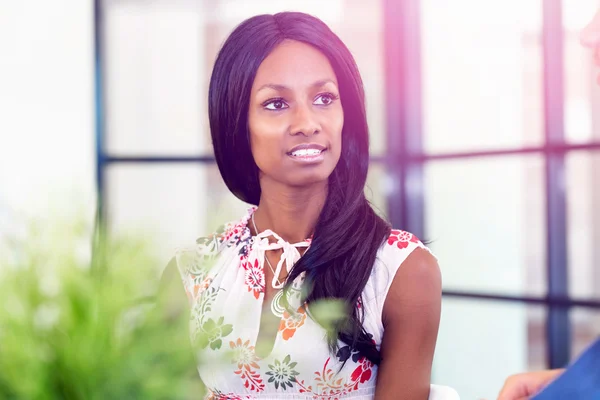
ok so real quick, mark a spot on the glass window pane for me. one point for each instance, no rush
(160, 55)
(482, 74)
(376, 189)
(481, 343)
(155, 70)
(583, 205)
(173, 204)
(485, 219)
(585, 324)
(361, 29)
(581, 92)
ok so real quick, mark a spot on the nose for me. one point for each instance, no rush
(304, 121)
(590, 35)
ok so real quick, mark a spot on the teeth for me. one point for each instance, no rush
(306, 152)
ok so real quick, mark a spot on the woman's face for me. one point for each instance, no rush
(295, 116)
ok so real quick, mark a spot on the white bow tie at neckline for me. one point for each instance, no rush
(289, 256)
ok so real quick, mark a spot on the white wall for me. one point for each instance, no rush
(46, 109)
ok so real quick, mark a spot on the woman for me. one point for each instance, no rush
(287, 118)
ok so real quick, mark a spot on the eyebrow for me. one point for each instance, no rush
(278, 87)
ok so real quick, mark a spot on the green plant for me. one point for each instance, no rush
(76, 327)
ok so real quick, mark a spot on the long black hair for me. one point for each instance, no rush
(348, 232)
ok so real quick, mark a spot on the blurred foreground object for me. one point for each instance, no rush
(75, 326)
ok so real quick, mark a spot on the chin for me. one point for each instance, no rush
(306, 178)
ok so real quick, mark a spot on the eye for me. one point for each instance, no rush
(325, 99)
(275, 104)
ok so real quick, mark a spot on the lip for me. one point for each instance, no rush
(307, 146)
(308, 159)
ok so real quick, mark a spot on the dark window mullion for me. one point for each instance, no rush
(558, 326)
(563, 302)
(557, 148)
(100, 109)
(155, 159)
(403, 113)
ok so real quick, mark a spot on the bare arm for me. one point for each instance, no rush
(411, 317)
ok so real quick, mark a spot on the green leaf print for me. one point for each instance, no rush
(282, 373)
(213, 333)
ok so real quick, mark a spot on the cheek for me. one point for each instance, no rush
(340, 126)
(265, 142)
(336, 136)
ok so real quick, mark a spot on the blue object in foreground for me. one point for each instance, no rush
(581, 380)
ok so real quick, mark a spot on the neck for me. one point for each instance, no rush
(291, 212)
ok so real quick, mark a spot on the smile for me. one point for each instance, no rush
(308, 153)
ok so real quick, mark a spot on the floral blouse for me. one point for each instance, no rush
(225, 284)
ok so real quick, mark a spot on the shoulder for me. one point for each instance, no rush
(400, 254)
(194, 257)
(416, 283)
(402, 240)
(227, 235)
(419, 272)
(398, 248)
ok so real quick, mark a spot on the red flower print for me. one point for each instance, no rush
(233, 231)
(362, 373)
(402, 238)
(328, 385)
(246, 360)
(254, 278)
(217, 395)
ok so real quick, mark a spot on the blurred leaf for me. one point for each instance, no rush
(76, 327)
(328, 313)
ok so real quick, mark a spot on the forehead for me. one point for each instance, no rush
(294, 64)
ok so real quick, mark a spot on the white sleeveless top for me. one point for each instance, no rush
(224, 281)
